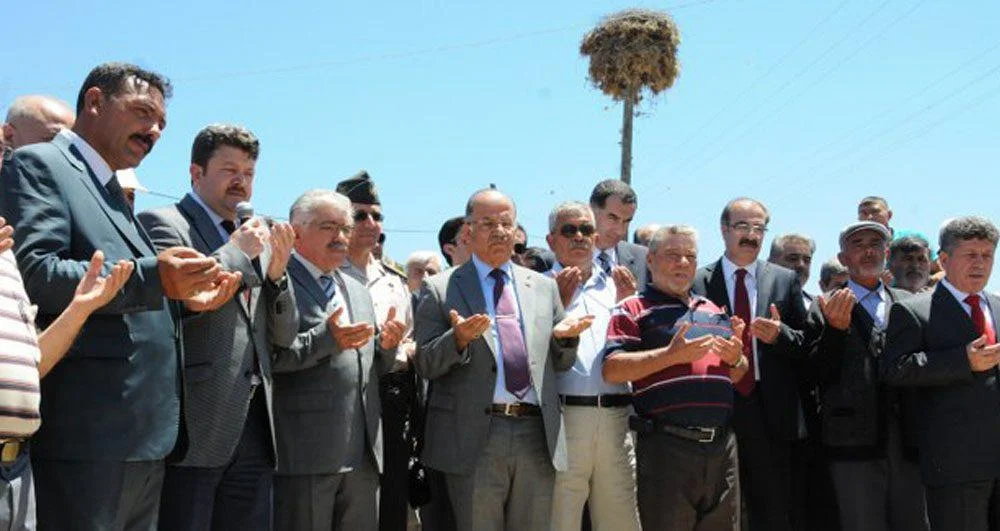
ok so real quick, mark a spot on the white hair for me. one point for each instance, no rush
(303, 207)
(420, 258)
(667, 231)
(568, 207)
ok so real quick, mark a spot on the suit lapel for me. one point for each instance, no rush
(765, 285)
(625, 256)
(715, 287)
(304, 278)
(125, 226)
(202, 224)
(954, 312)
(526, 300)
(466, 279)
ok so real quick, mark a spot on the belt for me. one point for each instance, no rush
(699, 434)
(519, 409)
(598, 400)
(10, 449)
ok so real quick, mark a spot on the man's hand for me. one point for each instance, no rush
(731, 350)
(95, 291)
(568, 280)
(213, 299)
(684, 350)
(468, 329)
(625, 283)
(348, 336)
(837, 311)
(185, 272)
(571, 327)
(766, 329)
(282, 240)
(392, 330)
(251, 237)
(982, 357)
(6, 236)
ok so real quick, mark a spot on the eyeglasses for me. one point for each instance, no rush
(329, 226)
(745, 228)
(585, 229)
(360, 216)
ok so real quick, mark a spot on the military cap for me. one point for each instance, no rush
(359, 189)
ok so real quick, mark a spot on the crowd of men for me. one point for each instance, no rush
(196, 367)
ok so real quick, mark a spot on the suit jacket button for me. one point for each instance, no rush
(494, 369)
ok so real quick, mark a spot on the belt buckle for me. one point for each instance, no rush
(709, 431)
(600, 401)
(509, 410)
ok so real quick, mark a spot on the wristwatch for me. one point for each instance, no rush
(740, 363)
(281, 284)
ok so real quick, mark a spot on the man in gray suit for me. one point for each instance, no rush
(614, 204)
(327, 409)
(224, 481)
(111, 407)
(490, 336)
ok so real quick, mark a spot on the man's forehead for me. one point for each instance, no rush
(865, 235)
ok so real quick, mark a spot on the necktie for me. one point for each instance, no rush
(329, 287)
(741, 307)
(983, 327)
(228, 226)
(604, 260)
(118, 196)
(515, 355)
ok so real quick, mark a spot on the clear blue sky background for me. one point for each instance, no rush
(807, 106)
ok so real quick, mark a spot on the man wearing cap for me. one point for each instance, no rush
(943, 345)
(389, 292)
(863, 421)
(224, 481)
(768, 417)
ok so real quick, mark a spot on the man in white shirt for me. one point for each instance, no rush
(599, 445)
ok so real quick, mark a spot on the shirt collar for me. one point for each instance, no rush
(729, 268)
(861, 291)
(216, 219)
(960, 295)
(90, 155)
(483, 269)
(313, 270)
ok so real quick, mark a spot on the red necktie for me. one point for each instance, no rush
(983, 327)
(741, 303)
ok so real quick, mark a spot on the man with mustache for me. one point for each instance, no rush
(681, 354)
(224, 480)
(614, 204)
(943, 345)
(327, 406)
(397, 388)
(795, 252)
(598, 444)
(112, 406)
(910, 262)
(863, 421)
(490, 337)
(767, 418)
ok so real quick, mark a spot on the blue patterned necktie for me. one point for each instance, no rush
(328, 285)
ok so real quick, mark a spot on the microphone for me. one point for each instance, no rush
(244, 212)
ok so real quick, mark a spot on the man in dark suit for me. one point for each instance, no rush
(327, 409)
(767, 409)
(877, 489)
(224, 481)
(943, 344)
(112, 406)
(614, 204)
(490, 336)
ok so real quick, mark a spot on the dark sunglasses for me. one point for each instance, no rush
(586, 230)
(362, 215)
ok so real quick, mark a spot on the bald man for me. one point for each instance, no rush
(34, 119)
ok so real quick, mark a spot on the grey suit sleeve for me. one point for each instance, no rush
(282, 314)
(906, 363)
(34, 205)
(562, 351)
(308, 349)
(791, 336)
(437, 351)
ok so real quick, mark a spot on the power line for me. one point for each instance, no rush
(812, 32)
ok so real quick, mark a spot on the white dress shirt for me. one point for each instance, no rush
(216, 219)
(94, 160)
(750, 281)
(960, 297)
(597, 296)
(500, 393)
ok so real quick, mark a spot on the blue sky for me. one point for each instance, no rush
(807, 106)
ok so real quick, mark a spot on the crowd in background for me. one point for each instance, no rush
(196, 366)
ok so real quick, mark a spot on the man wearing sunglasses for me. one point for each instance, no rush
(598, 444)
(767, 414)
(397, 388)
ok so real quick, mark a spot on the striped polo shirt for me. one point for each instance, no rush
(19, 355)
(692, 394)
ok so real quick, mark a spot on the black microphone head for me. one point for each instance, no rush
(244, 211)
